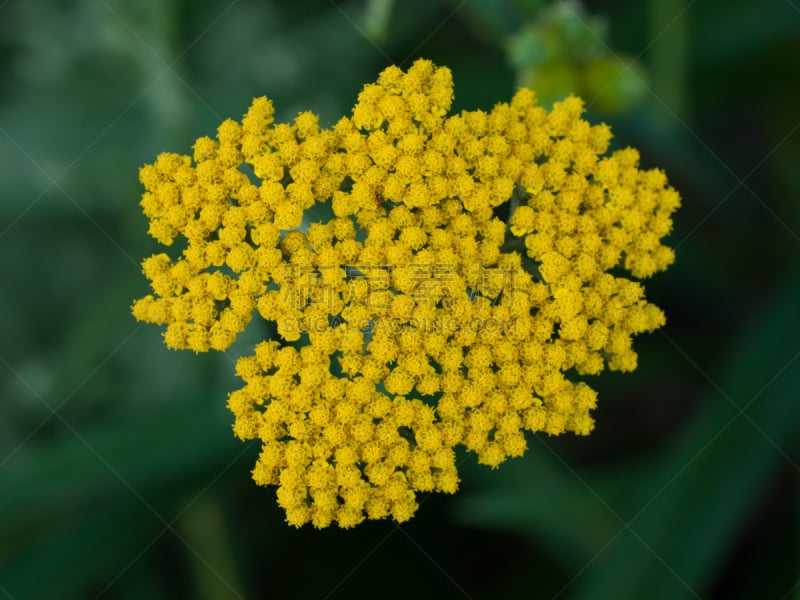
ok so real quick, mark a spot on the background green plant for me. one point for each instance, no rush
(119, 473)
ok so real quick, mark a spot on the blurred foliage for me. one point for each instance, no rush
(119, 474)
(565, 51)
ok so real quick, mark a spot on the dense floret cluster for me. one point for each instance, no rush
(415, 319)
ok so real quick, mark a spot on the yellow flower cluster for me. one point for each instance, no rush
(414, 320)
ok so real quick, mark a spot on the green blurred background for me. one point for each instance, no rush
(119, 474)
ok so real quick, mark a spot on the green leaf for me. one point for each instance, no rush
(154, 449)
(536, 498)
(80, 556)
(695, 502)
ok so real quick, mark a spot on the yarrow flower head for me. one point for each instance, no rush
(415, 319)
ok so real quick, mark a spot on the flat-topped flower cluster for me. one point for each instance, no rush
(387, 358)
